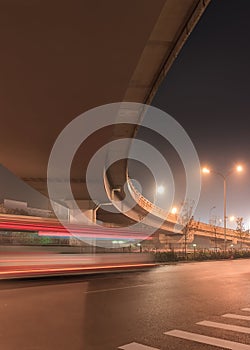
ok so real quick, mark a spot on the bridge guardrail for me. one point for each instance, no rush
(173, 218)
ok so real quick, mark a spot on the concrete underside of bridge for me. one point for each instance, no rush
(63, 58)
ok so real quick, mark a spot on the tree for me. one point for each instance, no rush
(186, 219)
(240, 230)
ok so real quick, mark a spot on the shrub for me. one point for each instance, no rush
(200, 255)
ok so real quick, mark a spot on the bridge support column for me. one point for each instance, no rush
(87, 207)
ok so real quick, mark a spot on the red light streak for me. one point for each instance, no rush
(46, 227)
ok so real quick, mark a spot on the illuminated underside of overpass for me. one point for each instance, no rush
(61, 60)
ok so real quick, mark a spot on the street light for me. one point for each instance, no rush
(160, 189)
(194, 246)
(174, 210)
(210, 212)
(238, 168)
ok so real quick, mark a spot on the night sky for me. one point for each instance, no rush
(207, 92)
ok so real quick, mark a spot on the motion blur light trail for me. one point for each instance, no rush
(14, 264)
(51, 227)
(54, 264)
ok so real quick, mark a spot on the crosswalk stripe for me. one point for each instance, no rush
(229, 327)
(136, 346)
(246, 309)
(208, 340)
(237, 317)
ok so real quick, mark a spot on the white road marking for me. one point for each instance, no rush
(119, 288)
(136, 346)
(246, 309)
(208, 340)
(229, 327)
(237, 317)
(199, 338)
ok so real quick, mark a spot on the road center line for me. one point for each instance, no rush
(229, 327)
(208, 340)
(136, 346)
(118, 288)
(237, 317)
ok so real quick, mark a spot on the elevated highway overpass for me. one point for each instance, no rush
(69, 58)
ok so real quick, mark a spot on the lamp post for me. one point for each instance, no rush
(210, 214)
(239, 169)
(94, 221)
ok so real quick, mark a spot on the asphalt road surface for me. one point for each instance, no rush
(186, 306)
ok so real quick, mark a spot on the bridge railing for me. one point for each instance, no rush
(149, 206)
(174, 218)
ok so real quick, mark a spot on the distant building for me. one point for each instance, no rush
(13, 207)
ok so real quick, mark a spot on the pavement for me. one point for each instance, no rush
(195, 306)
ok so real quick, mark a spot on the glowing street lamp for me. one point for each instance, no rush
(194, 246)
(160, 189)
(205, 170)
(174, 210)
(239, 169)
